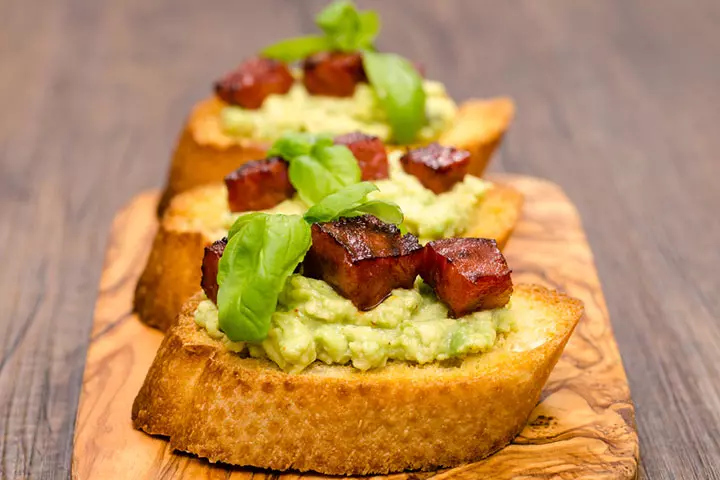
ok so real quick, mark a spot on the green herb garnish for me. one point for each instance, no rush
(352, 201)
(263, 250)
(317, 166)
(344, 28)
(293, 49)
(399, 88)
(397, 83)
(260, 255)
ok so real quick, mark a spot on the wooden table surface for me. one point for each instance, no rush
(618, 102)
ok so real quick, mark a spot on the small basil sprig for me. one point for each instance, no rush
(400, 91)
(352, 201)
(262, 251)
(396, 81)
(317, 166)
(293, 49)
(345, 30)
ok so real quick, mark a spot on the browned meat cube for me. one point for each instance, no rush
(437, 167)
(255, 79)
(333, 74)
(259, 185)
(363, 258)
(468, 274)
(211, 259)
(370, 153)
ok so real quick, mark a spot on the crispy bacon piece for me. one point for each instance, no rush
(259, 185)
(468, 274)
(437, 167)
(370, 153)
(255, 79)
(333, 74)
(363, 258)
(211, 259)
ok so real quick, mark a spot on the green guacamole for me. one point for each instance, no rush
(313, 322)
(298, 111)
(429, 216)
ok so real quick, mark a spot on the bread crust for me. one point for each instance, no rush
(204, 154)
(337, 420)
(172, 273)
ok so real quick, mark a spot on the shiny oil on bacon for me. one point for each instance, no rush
(211, 260)
(363, 258)
(333, 74)
(468, 274)
(249, 85)
(370, 153)
(437, 167)
(259, 185)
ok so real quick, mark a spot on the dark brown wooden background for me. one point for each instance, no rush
(618, 102)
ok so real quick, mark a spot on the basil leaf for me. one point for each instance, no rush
(333, 205)
(295, 144)
(327, 170)
(369, 29)
(241, 221)
(317, 166)
(298, 48)
(400, 90)
(341, 23)
(347, 29)
(388, 212)
(323, 140)
(252, 271)
(336, 16)
(352, 202)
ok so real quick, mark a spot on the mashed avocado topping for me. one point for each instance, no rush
(428, 215)
(298, 111)
(313, 322)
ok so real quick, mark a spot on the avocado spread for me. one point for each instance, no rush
(298, 111)
(428, 215)
(313, 322)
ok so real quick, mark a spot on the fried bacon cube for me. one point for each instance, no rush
(468, 274)
(370, 153)
(363, 258)
(211, 259)
(259, 185)
(255, 79)
(437, 167)
(333, 74)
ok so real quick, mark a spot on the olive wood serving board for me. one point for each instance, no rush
(583, 427)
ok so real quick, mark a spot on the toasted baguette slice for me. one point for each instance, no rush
(205, 154)
(337, 420)
(195, 219)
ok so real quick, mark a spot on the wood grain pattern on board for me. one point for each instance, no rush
(584, 426)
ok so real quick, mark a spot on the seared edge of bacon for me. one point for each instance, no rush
(250, 83)
(259, 185)
(363, 258)
(333, 74)
(211, 260)
(370, 153)
(468, 274)
(437, 167)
